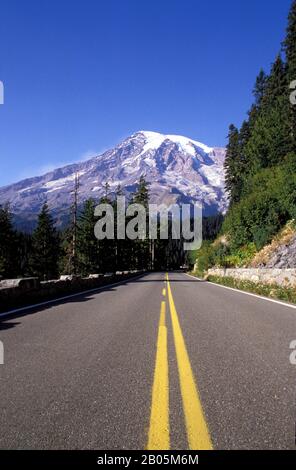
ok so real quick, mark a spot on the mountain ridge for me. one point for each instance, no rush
(178, 170)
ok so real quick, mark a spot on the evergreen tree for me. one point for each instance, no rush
(275, 85)
(107, 250)
(141, 196)
(87, 244)
(142, 249)
(290, 50)
(244, 136)
(260, 87)
(7, 244)
(123, 248)
(45, 247)
(290, 43)
(23, 253)
(270, 139)
(232, 165)
(270, 133)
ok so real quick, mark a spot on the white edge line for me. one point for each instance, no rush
(58, 299)
(261, 297)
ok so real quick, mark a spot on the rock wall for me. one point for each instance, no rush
(16, 293)
(281, 277)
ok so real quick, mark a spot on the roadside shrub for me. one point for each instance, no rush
(242, 256)
(287, 294)
(210, 255)
(204, 258)
(268, 202)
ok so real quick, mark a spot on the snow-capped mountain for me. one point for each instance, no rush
(178, 169)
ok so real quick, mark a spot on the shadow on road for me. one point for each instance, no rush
(5, 322)
(7, 326)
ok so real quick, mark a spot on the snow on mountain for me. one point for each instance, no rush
(155, 140)
(179, 170)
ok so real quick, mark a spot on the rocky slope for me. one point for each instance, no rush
(281, 252)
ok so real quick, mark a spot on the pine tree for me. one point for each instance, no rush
(275, 86)
(106, 188)
(270, 133)
(141, 196)
(23, 253)
(270, 139)
(7, 244)
(142, 249)
(290, 43)
(87, 244)
(123, 248)
(107, 247)
(232, 166)
(290, 50)
(45, 247)
(260, 87)
(69, 261)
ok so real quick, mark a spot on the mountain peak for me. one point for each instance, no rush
(155, 139)
(177, 168)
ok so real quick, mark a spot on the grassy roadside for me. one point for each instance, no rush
(287, 294)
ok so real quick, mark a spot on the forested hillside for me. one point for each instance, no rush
(260, 163)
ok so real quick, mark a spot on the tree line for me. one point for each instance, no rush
(49, 252)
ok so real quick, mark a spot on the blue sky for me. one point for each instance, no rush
(81, 75)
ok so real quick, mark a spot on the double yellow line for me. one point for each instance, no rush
(196, 427)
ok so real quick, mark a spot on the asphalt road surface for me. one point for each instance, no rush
(158, 362)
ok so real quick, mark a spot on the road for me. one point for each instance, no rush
(160, 361)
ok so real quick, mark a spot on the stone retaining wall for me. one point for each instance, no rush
(281, 277)
(15, 293)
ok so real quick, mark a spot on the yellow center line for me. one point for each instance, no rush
(159, 429)
(196, 426)
(163, 292)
